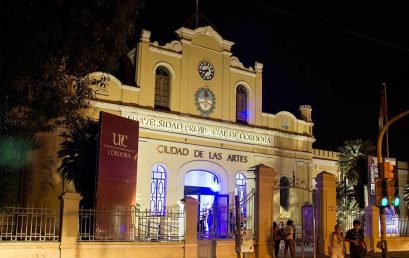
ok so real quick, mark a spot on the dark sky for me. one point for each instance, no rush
(331, 56)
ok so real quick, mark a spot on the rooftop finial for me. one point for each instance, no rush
(197, 14)
(197, 20)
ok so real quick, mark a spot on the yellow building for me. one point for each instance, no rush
(201, 122)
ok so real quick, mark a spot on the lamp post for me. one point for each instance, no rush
(384, 245)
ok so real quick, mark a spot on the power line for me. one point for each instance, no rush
(303, 18)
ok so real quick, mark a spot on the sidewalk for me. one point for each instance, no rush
(308, 253)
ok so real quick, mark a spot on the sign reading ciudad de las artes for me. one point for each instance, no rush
(117, 162)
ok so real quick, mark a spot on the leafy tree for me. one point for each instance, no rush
(352, 160)
(346, 211)
(79, 159)
(353, 166)
(344, 192)
(48, 51)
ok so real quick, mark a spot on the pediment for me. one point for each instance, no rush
(205, 37)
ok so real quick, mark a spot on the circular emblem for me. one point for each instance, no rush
(206, 70)
(205, 101)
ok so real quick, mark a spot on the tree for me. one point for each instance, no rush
(50, 50)
(78, 155)
(353, 167)
(352, 159)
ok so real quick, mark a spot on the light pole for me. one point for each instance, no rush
(384, 245)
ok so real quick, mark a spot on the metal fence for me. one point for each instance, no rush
(28, 224)
(397, 226)
(130, 225)
(219, 221)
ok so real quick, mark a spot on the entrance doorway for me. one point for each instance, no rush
(203, 186)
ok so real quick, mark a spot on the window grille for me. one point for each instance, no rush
(158, 190)
(241, 190)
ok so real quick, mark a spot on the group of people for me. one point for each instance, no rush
(287, 234)
(354, 236)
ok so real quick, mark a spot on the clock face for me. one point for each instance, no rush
(206, 70)
(205, 101)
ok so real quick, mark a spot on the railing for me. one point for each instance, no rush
(397, 226)
(130, 225)
(28, 224)
(219, 221)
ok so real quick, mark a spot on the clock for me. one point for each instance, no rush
(206, 70)
(205, 101)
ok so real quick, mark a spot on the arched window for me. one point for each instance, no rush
(241, 190)
(162, 88)
(158, 190)
(241, 105)
(284, 192)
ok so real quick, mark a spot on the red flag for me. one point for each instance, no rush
(382, 110)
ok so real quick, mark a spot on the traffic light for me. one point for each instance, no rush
(393, 193)
(381, 195)
(388, 170)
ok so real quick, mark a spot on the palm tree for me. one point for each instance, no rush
(347, 212)
(79, 159)
(352, 159)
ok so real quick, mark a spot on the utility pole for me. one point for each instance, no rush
(384, 245)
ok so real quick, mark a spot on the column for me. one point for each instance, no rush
(327, 204)
(372, 236)
(191, 205)
(69, 223)
(263, 209)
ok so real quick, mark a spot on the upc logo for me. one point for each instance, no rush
(119, 139)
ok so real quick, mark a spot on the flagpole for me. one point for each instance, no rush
(386, 118)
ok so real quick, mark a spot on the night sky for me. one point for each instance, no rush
(331, 56)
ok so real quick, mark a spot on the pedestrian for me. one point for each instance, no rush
(355, 237)
(277, 238)
(294, 231)
(289, 239)
(232, 221)
(337, 243)
(210, 222)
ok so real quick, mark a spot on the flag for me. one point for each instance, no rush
(382, 110)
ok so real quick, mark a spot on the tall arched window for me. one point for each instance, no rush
(284, 192)
(162, 88)
(241, 190)
(158, 190)
(241, 105)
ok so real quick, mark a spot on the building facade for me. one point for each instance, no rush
(201, 123)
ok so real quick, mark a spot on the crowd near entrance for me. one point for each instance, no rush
(287, 235)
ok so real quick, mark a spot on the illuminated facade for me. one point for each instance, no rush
(202, 125)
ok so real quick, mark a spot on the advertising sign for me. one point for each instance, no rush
(117, 162)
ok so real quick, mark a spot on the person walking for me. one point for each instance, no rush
(337, 243)
(277, 237)
(289, 239)
(355, 237)
(210, 222)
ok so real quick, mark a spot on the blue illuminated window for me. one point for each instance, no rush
(241, 105)
(158, 190)
(284, 192)
(162, 88)
(241, 190)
